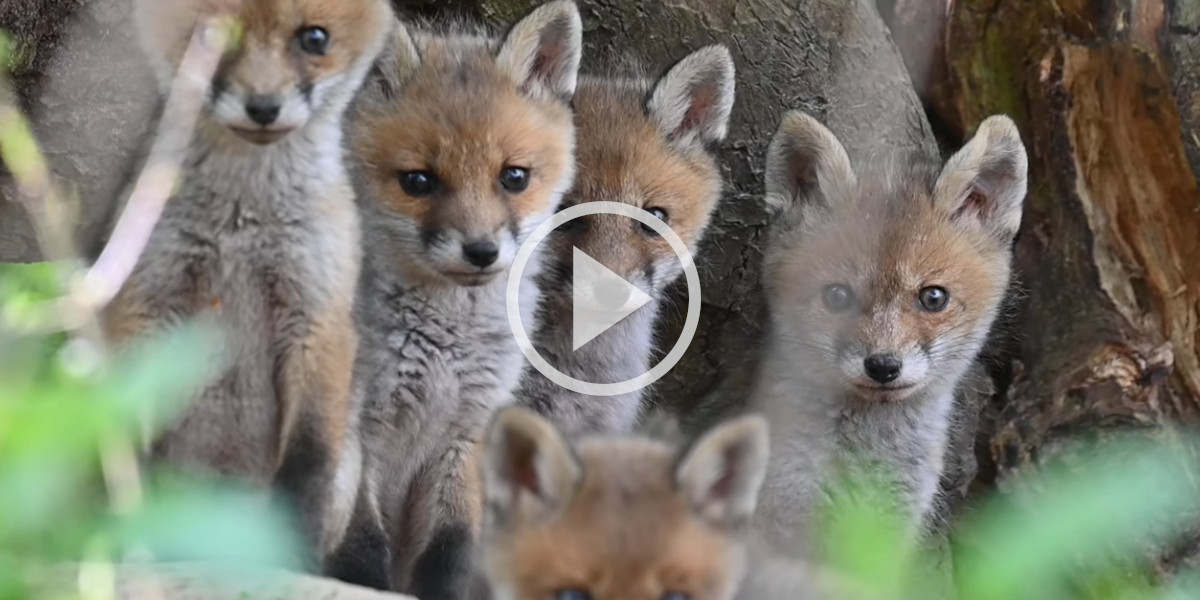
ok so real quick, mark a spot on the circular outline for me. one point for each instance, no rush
(690, 324)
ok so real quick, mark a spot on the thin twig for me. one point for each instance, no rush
(157, 180)
(91, 291)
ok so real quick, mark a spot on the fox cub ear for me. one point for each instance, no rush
(694, 99)
(399, 60)
(720, 475)
(986, 180)
(806, 165)
(529, 470)
(545, 48)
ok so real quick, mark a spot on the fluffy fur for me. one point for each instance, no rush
(618, 518)
(262, 238)
(645, 143)
(437, 354)
(847, 278)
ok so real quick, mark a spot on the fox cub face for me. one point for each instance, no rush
(888, 280)
(645, 143)
(617, 518)
(292, 60)
(467, 145)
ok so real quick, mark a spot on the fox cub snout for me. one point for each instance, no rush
(617, 518)
(468, 147)
(889, 278)
(292, 58)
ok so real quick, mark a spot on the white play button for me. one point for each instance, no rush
(615, 290)
(599, 299)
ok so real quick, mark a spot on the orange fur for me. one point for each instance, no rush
(624, 157)
(441, 125)
(627, 535)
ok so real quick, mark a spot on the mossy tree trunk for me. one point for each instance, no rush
(1107, 96)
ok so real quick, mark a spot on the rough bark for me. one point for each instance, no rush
(90, 97)
(1105, 94)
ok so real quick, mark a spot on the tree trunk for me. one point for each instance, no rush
(90, 96)
(1107, 95)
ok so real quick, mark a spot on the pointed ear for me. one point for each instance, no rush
(694, 99)
(544, 48)
(528, 469)
(720, 475)
(806, 165)
(985, 182)
(400, 58)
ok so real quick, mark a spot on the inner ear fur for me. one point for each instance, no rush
(544, 49)
(985, 182)
(806, 165)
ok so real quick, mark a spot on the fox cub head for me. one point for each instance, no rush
(617, 518)
(293, 60)
(645, 143)
(886, 281)
(466, 144)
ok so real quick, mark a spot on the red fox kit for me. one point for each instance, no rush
(645, 143)
(262, 235)
(617, 518)
(463, 145)
(883, 284)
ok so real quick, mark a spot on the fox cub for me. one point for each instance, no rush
(262, 237)
(463, 145)
(615, 518)
(644, 143)
(883, 284)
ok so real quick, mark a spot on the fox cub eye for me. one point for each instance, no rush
(514, 179)
(572, 595)
(659, 214)
(313, 40)
(934, 298)
(837, 297)
(418, 183)
(675, 596)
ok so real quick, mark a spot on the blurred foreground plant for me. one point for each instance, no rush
(1081, 526)
(71, 485)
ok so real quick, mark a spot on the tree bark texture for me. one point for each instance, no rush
(90, 96)
(1107, 96)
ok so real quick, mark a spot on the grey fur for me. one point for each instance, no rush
(699, 87)
(819, 426)
(437, 358)
(265, 241)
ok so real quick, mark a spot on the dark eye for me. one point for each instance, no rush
(659, 214)
(934, 298)
(313, 40)
(838, 297)
(514, 179)
(572, 595)
(675, 596)
(418, 183)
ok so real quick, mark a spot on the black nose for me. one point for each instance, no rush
(263, 109)
(481, 254)
(883, 368)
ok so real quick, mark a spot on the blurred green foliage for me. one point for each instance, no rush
(63, 403)
(1085, 525)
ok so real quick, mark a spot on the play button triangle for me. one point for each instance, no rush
(599, 299)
